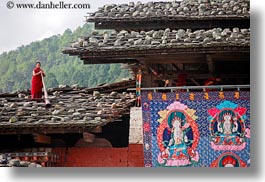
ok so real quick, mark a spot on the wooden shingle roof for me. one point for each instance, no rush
(73, 110)
(127, 47)
(193, 14)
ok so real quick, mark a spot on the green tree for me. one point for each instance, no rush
(16, 66)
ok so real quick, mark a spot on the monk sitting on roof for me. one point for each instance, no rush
(212, 81)
(36, 82)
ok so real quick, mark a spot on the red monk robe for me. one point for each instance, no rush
(36, 83)
(212, 81)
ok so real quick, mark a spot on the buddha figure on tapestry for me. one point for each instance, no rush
(227, 129)
(177, 138)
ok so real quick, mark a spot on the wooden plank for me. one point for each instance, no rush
(205, 76)
(195, 82)
(210, 63)
(188, 54)
(176, 66)
(87, 60)
(59, 129)
(180, 22)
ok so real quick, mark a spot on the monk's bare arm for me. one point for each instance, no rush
(43, 73)
(35, 74)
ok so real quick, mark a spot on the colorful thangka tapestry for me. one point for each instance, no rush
(199, 129)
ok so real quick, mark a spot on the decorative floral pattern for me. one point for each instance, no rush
(228, 159)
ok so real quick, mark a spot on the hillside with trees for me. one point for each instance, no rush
(16, 66)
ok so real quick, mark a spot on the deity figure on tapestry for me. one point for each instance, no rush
(227, 127)
(177, 138)
(178, 142)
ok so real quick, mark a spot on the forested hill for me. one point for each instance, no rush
(16, 66)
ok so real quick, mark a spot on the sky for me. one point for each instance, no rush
(23, 26)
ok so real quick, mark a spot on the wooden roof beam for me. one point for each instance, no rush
(175, 66)
(195, 82)
(107, 61)
(202, 76)
(181, 22)
(210, 63)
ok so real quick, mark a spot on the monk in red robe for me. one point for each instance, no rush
(36, 82)
(212, 81)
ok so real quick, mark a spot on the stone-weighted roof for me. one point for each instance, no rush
(190, 9)
(72, 110)
(5, 162)
(161, 39)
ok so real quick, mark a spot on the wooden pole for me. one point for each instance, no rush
(47, 102)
